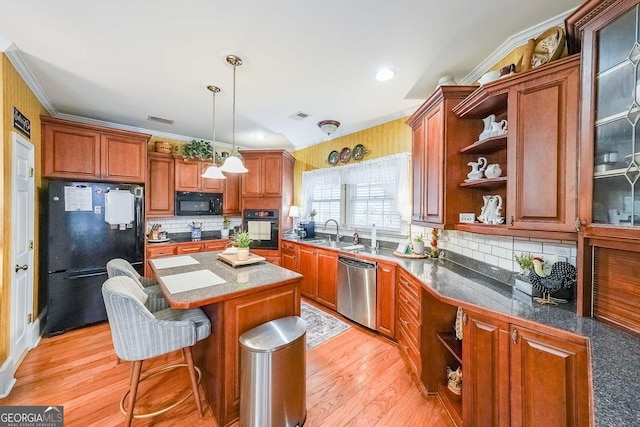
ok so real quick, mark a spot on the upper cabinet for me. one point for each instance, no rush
(188, 177)
(160, 197)
(532, 124)
(609, 239)
(84, 152)
(438, 135)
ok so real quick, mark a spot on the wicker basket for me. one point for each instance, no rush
(163, 147)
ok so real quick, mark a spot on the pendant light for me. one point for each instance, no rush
(233, 163)
(214, 172)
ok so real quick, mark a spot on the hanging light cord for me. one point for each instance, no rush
(233, 138)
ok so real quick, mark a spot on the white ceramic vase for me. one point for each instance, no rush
(243, 254)
(418, 248)
(224, 232)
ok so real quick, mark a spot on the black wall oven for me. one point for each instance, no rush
(196, 204)
(262, 226)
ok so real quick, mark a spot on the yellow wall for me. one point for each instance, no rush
(14, 92)
(379, 141)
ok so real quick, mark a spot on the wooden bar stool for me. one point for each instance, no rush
(138, 335)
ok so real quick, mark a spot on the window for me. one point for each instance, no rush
(360, 195)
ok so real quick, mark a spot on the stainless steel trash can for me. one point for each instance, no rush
(273, 385)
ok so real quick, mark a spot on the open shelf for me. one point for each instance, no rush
(485, 182)
(453, 345)
(486, 146)
(452, 403)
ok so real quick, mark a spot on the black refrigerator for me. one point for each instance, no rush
(84, 225)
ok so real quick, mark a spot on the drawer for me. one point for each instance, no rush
(191, 249)
(161, 250)
(406, 299)
(411, 326)
(215, 245)
(288, 245)
(409, 351)
(412, 288)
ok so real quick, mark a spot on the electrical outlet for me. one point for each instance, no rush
(563, 255)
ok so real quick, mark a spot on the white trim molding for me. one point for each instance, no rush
(7, 381)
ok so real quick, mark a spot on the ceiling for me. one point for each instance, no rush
(120, 61)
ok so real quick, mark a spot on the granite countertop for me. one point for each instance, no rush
(238, 281)
(615, 354)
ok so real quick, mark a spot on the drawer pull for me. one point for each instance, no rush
(464, 318)
(406, 301)
(514, 336)
(405, 322)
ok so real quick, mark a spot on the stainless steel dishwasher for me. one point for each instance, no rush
(357, 290)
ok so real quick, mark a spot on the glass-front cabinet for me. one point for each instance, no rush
(607, 32)
(616, 170)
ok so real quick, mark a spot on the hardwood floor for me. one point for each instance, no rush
(354, 379)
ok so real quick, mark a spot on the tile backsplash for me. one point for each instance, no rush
(499, 251)
(180, 224)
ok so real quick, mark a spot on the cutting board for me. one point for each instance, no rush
(232, 259)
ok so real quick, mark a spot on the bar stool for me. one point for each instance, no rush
(138, 335)
(156, 300)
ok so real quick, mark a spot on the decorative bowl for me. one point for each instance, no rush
(489, 77)
(163, 147)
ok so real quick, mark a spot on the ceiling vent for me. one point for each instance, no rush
(299, 116)
(160, 120)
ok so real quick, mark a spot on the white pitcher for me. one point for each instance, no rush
(499, 128)
(477, 168)
(487, 126)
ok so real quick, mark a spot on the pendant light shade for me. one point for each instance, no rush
(233, 163)
(213, 172)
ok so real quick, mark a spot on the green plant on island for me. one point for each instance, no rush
(197, 149)
(418, 238)
(243, 240)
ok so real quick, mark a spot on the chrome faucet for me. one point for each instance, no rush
(337, 229)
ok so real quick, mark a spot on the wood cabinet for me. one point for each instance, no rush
(386, 299)
(539, 190)
(605, 32)
(160, 194)
(231, 198)
(549, 381)
(158, 250)
(188, 177)
(485, 361)
(514, 375)
(77, 151)
(409, 315)
(319, 268)
(438, 135)
(289, 256)
(327, 278)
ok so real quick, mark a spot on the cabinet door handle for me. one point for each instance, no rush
(511, 220)
(406, 301)
(21, 267)
(405, 322)
(464, 318)
(514, 336)
(578, 224)
(386, 270)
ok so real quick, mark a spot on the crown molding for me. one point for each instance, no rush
(23, 70)
(511, 43)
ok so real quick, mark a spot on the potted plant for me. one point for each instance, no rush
(418, 244)
(225, 226)
(312, 215)
(197, 149)
(525, 261)
(242, 242)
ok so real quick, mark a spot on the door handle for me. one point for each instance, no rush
(23, 267)
(514, 336)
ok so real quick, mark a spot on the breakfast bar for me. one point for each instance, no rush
(235, 300)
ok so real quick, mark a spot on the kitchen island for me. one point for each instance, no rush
(247, 297)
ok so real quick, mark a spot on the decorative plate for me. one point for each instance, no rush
(166, 239)
(358, 152)
(345, 154)
(549, 46)
(333, 157)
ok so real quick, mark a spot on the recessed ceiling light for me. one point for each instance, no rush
(384, 74)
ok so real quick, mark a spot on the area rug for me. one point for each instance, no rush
(320, 325)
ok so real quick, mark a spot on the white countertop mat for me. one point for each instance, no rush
(176, 261)
(189, 281)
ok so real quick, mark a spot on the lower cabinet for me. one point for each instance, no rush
(409, 321)
(288, 256)
(319, 268)
(168, 249)
(518, 376)
(386, 299)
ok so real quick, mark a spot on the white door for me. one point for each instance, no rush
(22, 199)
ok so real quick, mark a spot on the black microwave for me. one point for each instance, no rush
(194, 204)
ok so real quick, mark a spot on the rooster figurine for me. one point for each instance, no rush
(562, 275)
